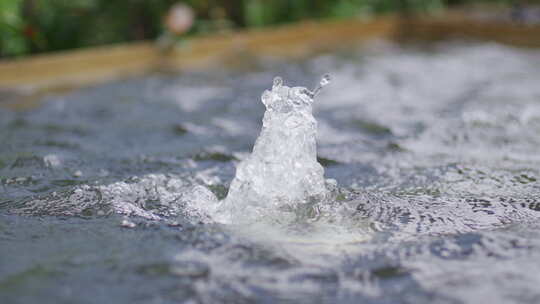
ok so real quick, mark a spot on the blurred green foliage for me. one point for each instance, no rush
(33, 26)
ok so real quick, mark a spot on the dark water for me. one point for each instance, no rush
(436, 150)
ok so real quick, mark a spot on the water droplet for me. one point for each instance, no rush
(278, 82)
(326, 79)
(127, 224)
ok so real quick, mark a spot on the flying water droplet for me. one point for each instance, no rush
(278, 83)
(326, 79)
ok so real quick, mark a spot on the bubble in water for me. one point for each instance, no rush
(52, 161)
(128, 224)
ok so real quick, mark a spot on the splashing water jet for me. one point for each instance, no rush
(282, 171)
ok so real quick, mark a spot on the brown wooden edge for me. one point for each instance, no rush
(24, 81)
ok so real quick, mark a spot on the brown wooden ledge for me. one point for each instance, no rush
(24, 81)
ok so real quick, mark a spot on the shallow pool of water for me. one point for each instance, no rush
(436, 151)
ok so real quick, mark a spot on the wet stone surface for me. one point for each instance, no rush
(436, 154)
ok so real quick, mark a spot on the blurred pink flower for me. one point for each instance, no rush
(179, 19)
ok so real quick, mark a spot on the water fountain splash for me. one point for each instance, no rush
(282, 170)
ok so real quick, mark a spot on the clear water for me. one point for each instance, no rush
(435, 150)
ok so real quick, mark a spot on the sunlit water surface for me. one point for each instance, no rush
(436, 152)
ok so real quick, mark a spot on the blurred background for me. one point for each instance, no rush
(37, 26)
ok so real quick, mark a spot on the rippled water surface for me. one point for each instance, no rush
(436, 152)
